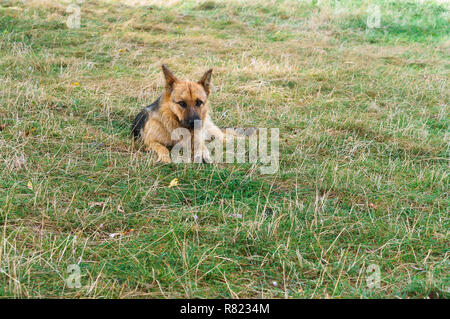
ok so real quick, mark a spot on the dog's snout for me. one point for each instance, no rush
(191, 121)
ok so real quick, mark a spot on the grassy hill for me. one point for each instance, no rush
(363, 177)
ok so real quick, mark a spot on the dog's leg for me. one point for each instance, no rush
(224, 134)
(213, 130)
(155, 138)
(160, 150)
(201, 152)
(206, 156)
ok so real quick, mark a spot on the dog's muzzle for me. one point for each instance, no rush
(192, 123)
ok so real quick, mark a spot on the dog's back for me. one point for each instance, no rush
(142, 118)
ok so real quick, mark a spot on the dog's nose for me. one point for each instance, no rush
(192, 120)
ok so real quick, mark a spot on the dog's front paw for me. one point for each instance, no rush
(198, 158)
(207, 157)
(204, 158)
(164, 159)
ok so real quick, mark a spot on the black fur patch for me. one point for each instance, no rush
(154, 106)
(142, 117)
(139, 123)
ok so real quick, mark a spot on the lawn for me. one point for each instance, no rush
(361, 193)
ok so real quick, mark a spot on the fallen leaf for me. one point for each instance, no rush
(127, 231)
(30, 185)
(174, 182)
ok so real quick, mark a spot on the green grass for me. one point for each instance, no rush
(363, 178)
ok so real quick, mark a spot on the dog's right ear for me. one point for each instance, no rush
(206, 80)
(170, 78)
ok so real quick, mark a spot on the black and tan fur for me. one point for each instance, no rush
(181, 103)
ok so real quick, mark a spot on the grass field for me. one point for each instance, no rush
(363, 175)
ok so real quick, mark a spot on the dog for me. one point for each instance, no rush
(183, 104)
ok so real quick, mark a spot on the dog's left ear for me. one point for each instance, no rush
(206, 80)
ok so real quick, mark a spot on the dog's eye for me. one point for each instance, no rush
(182, 104)
(198, 103)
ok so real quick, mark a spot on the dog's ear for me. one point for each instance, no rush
(206, 80)
(170, 78)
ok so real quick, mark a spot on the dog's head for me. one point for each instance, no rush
(187, 99)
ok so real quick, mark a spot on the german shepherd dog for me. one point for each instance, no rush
(182, 104)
